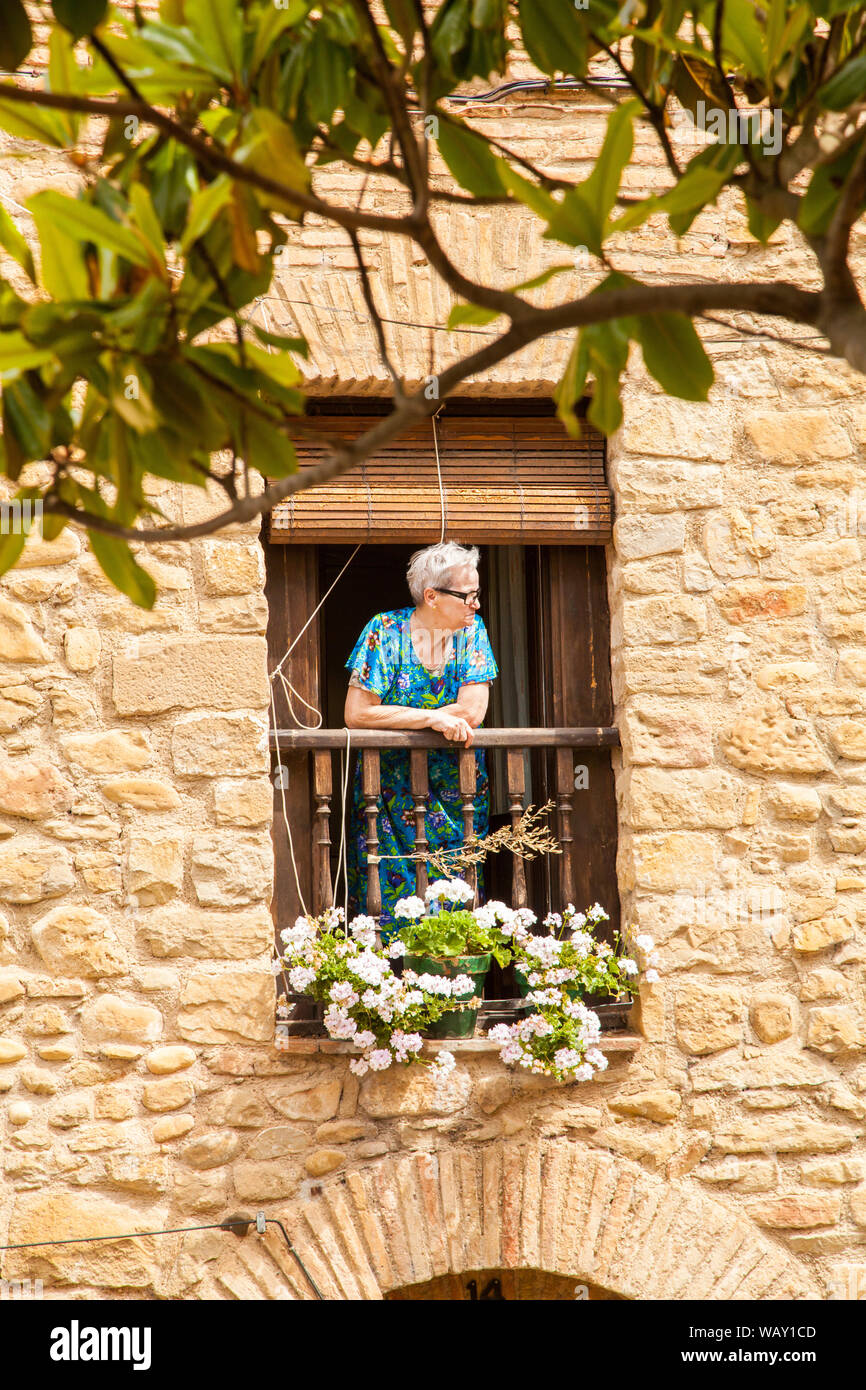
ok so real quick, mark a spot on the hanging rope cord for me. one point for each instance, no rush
(290, 690)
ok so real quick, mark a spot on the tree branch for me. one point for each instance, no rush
(782, 300)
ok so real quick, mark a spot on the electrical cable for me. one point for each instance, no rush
(260, 1222)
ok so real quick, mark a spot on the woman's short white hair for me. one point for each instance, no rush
(433, 567)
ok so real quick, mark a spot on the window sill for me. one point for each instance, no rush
(611, 1044)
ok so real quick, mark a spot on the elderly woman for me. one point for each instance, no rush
(423, 667)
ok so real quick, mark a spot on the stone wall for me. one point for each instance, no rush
(140, 1087)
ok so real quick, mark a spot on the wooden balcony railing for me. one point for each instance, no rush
(368, 742)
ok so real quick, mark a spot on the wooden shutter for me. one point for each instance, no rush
(507, 478)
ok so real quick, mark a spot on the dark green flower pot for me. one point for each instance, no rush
(457, 1023)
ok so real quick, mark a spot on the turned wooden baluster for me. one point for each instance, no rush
(516, 786)
(564, 793)
(371, 789)
(323, 895)
(420, 787)
(466, 775)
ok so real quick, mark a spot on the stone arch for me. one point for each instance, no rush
(555, 1206)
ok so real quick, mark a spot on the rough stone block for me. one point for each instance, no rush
(245, 803)
(210, 1150)
(186, 931)
(315, 1103)
(277, 1142)
(113, 750)
(635, 538)
(665, 620)
(55, 1215)
(32, 869)
(184, 673)
(109, 1018)
(672, 429)
(756, 598)
(666, 863)
(19, 640)
(766, 739)
(835, 1029)
(229, 872)
(227, 1008)
(166, 1060)
(797, 436)
(230, 567)
(83, 647)
(220, 745)
(142, 794)
(76, 940)
(263, 1182)
(154, 870)
(414, 1092)
(171, 1093)
(655, 1104)
(32, 789)
(657, 799)
(797, 1210)
(654, 733)
(708, 1017)
(772, 1016)
(323, 1161)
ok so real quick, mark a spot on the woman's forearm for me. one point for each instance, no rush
(390, 717)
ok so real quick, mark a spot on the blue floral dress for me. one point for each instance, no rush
(384, 660)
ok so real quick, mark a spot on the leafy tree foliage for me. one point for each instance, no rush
(214, 120)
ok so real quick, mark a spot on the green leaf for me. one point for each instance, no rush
(538, 199)
(698, 186)
(761, 224)
(471, 314)
(17, 354)
(554, 36)
(12, 241)
(272, 25)
(601, 188)
(80, 17)
(86, 223)
(743, 38)
(575, 223)
(270, 148)
(29, 123)
(570, 388)
(469, 158)
(118, 564)
(204, 207)
(63, 76)
(27, 425)
(280, 340)
(845, 86)
(674, 355)
(822, 196)
(266, 448)
(148, 224)
(218, 26)
(11, 546)
(16, 37)
(403, 17)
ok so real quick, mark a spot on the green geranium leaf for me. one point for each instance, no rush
(675, 355)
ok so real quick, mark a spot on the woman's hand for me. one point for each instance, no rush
(453, 726)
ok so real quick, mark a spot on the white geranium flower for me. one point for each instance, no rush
(396, 949)
(380, 1058)
(412, 908)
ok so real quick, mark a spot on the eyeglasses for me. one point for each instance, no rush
(471, 595)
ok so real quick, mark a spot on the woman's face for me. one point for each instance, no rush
(453, 612)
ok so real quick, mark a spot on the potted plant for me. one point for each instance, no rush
(365, 1002)
(555, 972)
(446, 942)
